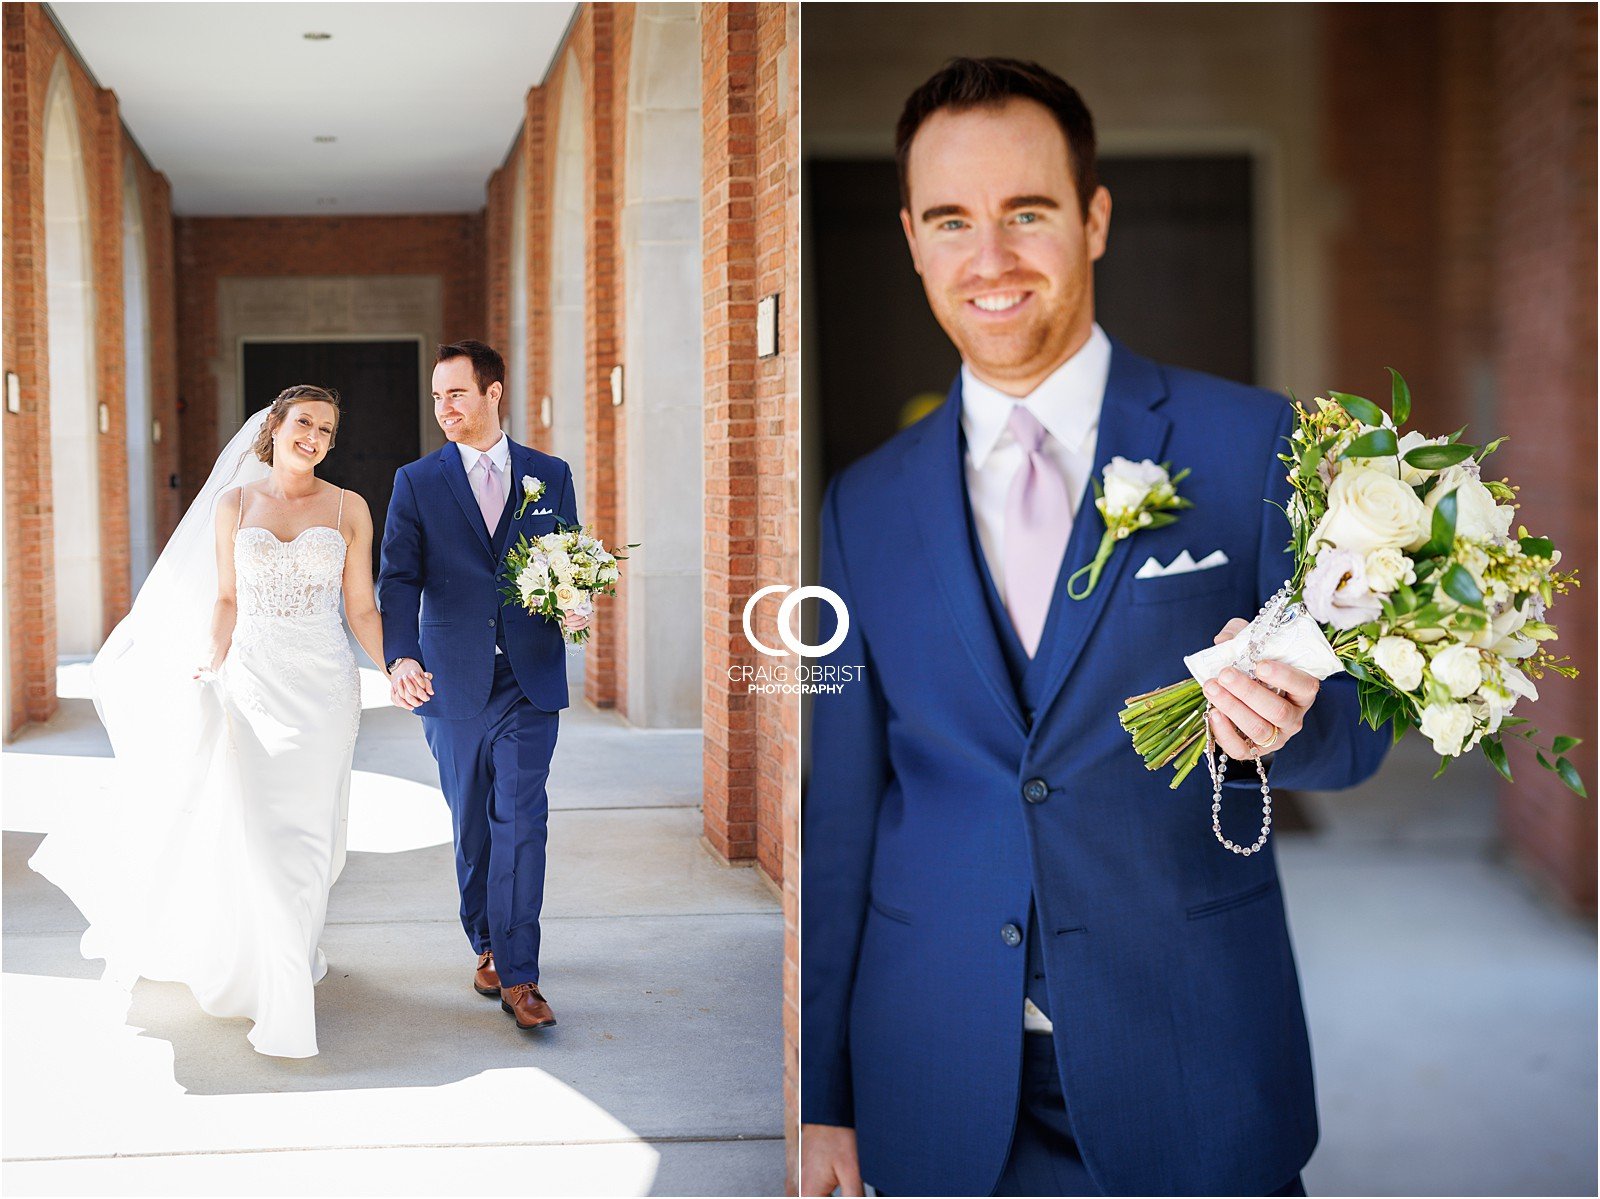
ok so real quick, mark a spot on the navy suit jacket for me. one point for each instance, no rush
(438, 584)
(1172, 987)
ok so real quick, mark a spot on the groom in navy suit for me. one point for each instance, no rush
(488, 680)
(1027, 966)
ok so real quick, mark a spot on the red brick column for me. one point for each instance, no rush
(155, 201)
(596, 42)
(497, 263)
(110, 354)
(1544, 310)
(728, 213)
(32, 50)
(537, 153)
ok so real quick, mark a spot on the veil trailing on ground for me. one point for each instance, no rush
(169, 733)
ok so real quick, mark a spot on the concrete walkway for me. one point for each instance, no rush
(663, 1077)
(1452, 1009)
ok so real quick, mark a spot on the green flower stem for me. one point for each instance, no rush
(1108, 542)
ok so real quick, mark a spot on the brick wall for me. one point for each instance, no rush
(1465, 256)
(212, 248)
(33, 50)
(1543, 309)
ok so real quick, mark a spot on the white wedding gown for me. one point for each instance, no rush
(221, 882)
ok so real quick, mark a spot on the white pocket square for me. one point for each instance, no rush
(1182, 564)
(540, 512)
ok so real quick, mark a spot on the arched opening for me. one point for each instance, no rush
(663, 374)
(517, 356)
(74, 415)
(569, 249)
(137, 388)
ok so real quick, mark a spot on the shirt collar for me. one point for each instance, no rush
(499, 453)
(1067, 403)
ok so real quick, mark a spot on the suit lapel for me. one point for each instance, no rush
(935, 475)
(455, 475)
(521, 464)
(1130, 427)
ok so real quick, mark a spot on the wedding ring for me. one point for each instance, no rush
(1263, 746)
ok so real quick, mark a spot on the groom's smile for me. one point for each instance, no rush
(1005, 248)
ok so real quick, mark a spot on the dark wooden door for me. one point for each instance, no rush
(1176, 284)
(379, 385)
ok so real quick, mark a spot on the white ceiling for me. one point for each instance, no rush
(424, 98)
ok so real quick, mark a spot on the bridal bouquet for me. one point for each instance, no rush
(1406, 576)
(559, 574)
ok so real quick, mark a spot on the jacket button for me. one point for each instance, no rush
(1035, 790)
(1011, 935)
(491, 624)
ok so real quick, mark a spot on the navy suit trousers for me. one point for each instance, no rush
(493, 768)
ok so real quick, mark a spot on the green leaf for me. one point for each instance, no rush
(1379, 443)
(1401, 728)
(1404, 599)
(1537, 547)
(1443, 762)
(1496, 753)
(1564, 743)
(1399, 397)
(1543, 761)
(1569, 776)
(1437, 457)
(1444, 526)
(1460, 586)
(1357, 670)
(1364, 411)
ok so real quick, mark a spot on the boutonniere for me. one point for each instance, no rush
(1133, 496)
(532, 489)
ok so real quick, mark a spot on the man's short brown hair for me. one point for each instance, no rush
(487, 365)
(967, 83)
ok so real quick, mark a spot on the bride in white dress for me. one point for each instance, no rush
(226, 826)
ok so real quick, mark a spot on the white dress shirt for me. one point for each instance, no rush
(1067, 404)
(500, 454)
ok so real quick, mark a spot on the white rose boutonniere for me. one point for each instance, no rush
(532, 489)
(1129, 496)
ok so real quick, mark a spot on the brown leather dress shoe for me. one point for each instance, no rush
(527, 1006)
(486, 981)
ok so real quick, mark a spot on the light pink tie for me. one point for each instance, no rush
(1038, 520)
(490, 501)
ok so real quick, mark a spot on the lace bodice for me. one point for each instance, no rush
(296, 578)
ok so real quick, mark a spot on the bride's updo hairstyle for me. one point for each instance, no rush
(287, 399)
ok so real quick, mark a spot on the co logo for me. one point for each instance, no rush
(786, 611)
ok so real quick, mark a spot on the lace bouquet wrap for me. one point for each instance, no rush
(1406, 576)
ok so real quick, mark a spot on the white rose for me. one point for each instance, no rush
(1368, 510)
(1459, 669)
(561, 561)
(1477, 515)
(1448, 726)
(1400, 660)
(530, 485)
(1127, 484)
(1387, 568)
(566, 596)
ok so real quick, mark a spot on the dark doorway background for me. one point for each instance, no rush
(379, 385)
(1177, 284)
